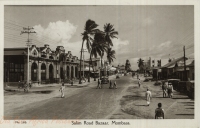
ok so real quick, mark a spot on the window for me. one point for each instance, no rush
(16, 67)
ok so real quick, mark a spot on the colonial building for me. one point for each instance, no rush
(45, 65)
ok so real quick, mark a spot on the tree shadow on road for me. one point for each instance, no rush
(189, 108)
(185, 114)
(141, 105)
(180, 98)
(188, 105)
(187, 102)
(130, 96)
(160, 97)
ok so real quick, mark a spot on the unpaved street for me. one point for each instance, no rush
(125, 102)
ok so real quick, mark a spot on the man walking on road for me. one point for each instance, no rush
(99, 84)
(62, 88)
(170, 90)
(148, 97)
(139, 83)
(159, 112)
(164, 88)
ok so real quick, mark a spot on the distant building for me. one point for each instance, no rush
(175, 69)
(44, 64)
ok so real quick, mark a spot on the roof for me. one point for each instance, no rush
(191, 63)
(19, 48)
(15, 51)
(173, 62)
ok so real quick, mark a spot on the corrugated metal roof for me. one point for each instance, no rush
(173, 62)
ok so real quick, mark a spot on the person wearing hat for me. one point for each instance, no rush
(170, 90)
(159, 112)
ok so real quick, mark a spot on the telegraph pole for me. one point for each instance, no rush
(184, 65)
(28, 31)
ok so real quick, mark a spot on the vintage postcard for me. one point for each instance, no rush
(92, 64)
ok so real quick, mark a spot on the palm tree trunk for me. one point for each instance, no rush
(89, 65)
(101, 68)
(80, 64)
(93, 70)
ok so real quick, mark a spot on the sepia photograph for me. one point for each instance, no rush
(98, 64)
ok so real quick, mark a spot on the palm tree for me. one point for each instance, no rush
(110, 55)
(98, 46)
(110, 33)
(90, 29)
(140, 63)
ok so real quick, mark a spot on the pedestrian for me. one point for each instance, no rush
(99, 84)
(137, 76)
(110, 85)
(139, 83)
(62, 88)
(159, 112)
(164, 88)
(26, 87)
(170, 90)
(115, 85)
(148, 96)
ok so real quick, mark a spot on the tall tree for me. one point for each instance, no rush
(98, 46)
(110, 55)
(127, 65)
(89, 29)
(110, 33)
(140, 63)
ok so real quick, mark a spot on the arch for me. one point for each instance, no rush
(34, 71)
(51, 72)
(43, 71)
(76, 72)
(67, 71)
(72, 72)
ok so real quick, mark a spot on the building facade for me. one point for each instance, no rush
(45, 65)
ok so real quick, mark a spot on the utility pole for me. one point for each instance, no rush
(185, 78)
(28, 31)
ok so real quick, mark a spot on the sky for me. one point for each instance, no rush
(159, 31)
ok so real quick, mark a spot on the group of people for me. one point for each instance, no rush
(159, 112)
(112, 86)
(167, 88)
